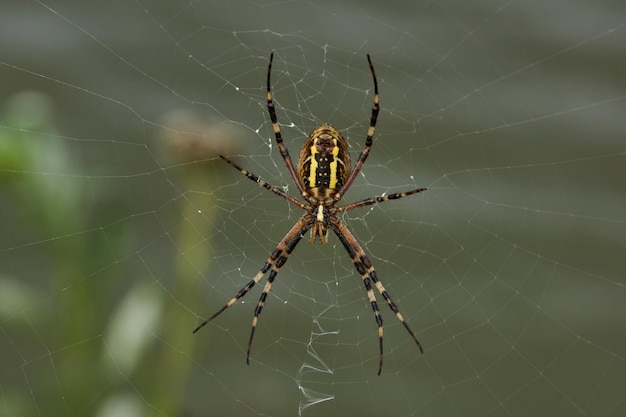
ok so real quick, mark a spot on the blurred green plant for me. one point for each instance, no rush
(193, 145)
(44, 194)
(98, 324)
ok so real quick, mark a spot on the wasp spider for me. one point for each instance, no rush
(322, 176)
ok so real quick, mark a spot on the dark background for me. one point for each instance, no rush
(121, 229)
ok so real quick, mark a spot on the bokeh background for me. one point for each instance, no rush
(121, 229)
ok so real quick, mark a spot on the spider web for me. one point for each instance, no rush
(121, 229)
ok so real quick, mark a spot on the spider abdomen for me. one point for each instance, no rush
(324, 162)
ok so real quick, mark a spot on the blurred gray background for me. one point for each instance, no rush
(121, 229)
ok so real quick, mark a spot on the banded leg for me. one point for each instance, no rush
(368, 274)
(368, 140)
(268, 285)
(264, 184)
(379, 199)
(279, 139)
(296, 232)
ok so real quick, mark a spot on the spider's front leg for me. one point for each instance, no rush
(276, 260)
(368, 274)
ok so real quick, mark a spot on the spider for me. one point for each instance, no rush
(322, 176)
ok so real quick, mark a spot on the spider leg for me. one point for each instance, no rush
(279, 139)
(290, 246)
(264, 184)
(379, 199)
(368, 140)
(294, 234)
(368, 274)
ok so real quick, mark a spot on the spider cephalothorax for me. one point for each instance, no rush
(322, 176)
